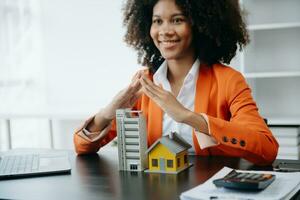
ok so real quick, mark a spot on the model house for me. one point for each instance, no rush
(132, 140)
(169, 154)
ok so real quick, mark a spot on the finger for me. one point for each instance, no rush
(154, 88)
(150, 83)
(139, 93)
(134, 87)
(139, 74)
(144, 84)
(147, 90)
(137, 87)
(135, 76)
(149, 94)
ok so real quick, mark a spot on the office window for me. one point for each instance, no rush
(133, 167)
(178, 162)
(154, 163)
(170, 163)
(185, 159)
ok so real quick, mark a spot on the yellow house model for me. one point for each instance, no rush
(169, 154)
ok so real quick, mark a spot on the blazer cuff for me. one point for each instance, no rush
(92, 136)
(205, 140)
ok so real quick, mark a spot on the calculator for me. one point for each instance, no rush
(245, 181)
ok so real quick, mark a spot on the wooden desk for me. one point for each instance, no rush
(97, 177)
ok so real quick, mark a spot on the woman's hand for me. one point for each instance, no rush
(164, 99)
(126, 98)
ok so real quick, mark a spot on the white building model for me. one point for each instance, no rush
(132, 140)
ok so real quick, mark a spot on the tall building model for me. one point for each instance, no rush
(132, 140)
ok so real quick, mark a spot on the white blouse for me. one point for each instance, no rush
(186, 97)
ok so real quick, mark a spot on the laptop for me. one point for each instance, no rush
(21, 165)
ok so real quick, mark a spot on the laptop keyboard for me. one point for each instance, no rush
(19, 164)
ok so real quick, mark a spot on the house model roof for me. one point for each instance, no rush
(174, 142)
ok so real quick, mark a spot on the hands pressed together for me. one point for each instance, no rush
(164, 99)
(127, 97)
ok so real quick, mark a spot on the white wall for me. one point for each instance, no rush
(84, 63)
(86, 60)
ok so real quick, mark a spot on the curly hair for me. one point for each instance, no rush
(218, 29)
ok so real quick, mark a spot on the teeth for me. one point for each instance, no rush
(169, 41)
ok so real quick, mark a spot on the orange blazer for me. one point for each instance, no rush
(224, 96)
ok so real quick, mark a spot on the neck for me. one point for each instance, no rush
(179, 68)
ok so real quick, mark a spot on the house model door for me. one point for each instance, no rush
(162, 164)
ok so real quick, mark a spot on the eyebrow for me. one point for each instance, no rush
(174, 15)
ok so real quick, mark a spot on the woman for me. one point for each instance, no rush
(186, 88)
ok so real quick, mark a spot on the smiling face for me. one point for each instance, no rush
(171, 31)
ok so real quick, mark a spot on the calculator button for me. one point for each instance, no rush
(241, 175)
(256, 176)
(249, 175)
(232, 174)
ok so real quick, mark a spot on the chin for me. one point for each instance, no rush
(169, 56)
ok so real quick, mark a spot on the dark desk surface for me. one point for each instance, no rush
(97, 177)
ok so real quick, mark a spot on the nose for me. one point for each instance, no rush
(166, 29)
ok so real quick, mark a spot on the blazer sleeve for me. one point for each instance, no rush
(86, 146)
(83, 145)
(246, 134)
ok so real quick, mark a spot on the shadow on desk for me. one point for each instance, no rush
(99, 174)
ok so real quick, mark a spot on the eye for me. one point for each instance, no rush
(177, 20)
(157, 21)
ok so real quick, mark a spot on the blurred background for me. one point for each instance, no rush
(63, 60)
(60, 62)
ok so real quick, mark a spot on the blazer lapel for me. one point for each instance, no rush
(154, 122)
(203, 89)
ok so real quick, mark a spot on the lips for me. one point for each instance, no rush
(168, 43)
